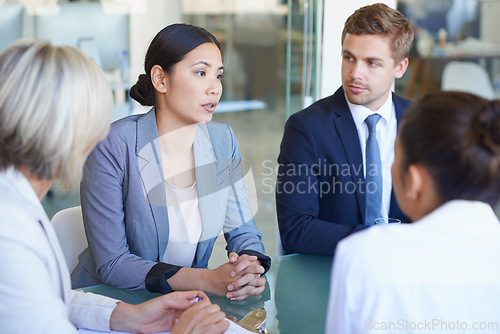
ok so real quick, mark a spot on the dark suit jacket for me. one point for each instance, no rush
(320, 191)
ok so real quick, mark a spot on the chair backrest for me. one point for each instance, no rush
(68, 224)
(468, 77)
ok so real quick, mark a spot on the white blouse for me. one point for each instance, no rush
(185, 224)
(437, 275)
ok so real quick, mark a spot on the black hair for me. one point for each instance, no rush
(456, 136)
(166, 49)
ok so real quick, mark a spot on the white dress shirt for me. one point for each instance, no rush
(35, 287)
(440, 274)
(386, 131)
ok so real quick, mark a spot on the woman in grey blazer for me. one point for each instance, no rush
(160, 188)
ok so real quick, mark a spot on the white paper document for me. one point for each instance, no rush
(233, 329)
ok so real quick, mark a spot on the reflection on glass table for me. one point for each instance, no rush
(295, 297)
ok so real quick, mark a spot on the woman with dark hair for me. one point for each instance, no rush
(160, 188)
(441, 272)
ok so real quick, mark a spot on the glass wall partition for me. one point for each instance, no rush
(269, 48)
(270, 61)
(253, 36)
(269, 65)
(303, 53)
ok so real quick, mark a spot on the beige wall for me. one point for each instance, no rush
(147, 17)
(490, 24)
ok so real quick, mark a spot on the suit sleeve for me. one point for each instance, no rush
(298, 193)
(240, 231)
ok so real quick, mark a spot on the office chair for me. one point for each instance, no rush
(468, 77)
(68, 224)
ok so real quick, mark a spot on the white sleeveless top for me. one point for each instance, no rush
(185, 225)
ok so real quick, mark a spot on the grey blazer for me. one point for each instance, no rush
(124, 205)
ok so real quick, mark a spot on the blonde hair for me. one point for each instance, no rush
(55, 105)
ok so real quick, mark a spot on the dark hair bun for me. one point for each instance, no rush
(143, 91)
(456, 137)
(488, 127)
(168, 47)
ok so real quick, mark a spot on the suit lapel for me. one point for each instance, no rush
(59, 261)
(400, 106)
(400, 109)
(151, 171)
(348, 134)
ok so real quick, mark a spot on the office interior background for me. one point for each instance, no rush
(279, 57)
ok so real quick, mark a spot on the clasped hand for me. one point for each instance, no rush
(239, 278)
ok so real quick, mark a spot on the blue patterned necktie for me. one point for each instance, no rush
(373, 167)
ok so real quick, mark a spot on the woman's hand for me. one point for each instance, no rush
(176, 312)
(246, 273)
(202, 317)
(236, 279)
(218, 279)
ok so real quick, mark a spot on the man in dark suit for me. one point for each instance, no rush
(334, 166)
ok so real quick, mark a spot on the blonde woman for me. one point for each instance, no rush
(55, 105)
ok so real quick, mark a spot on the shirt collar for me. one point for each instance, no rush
(462, 216)
(360, 113)
(17, 179)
